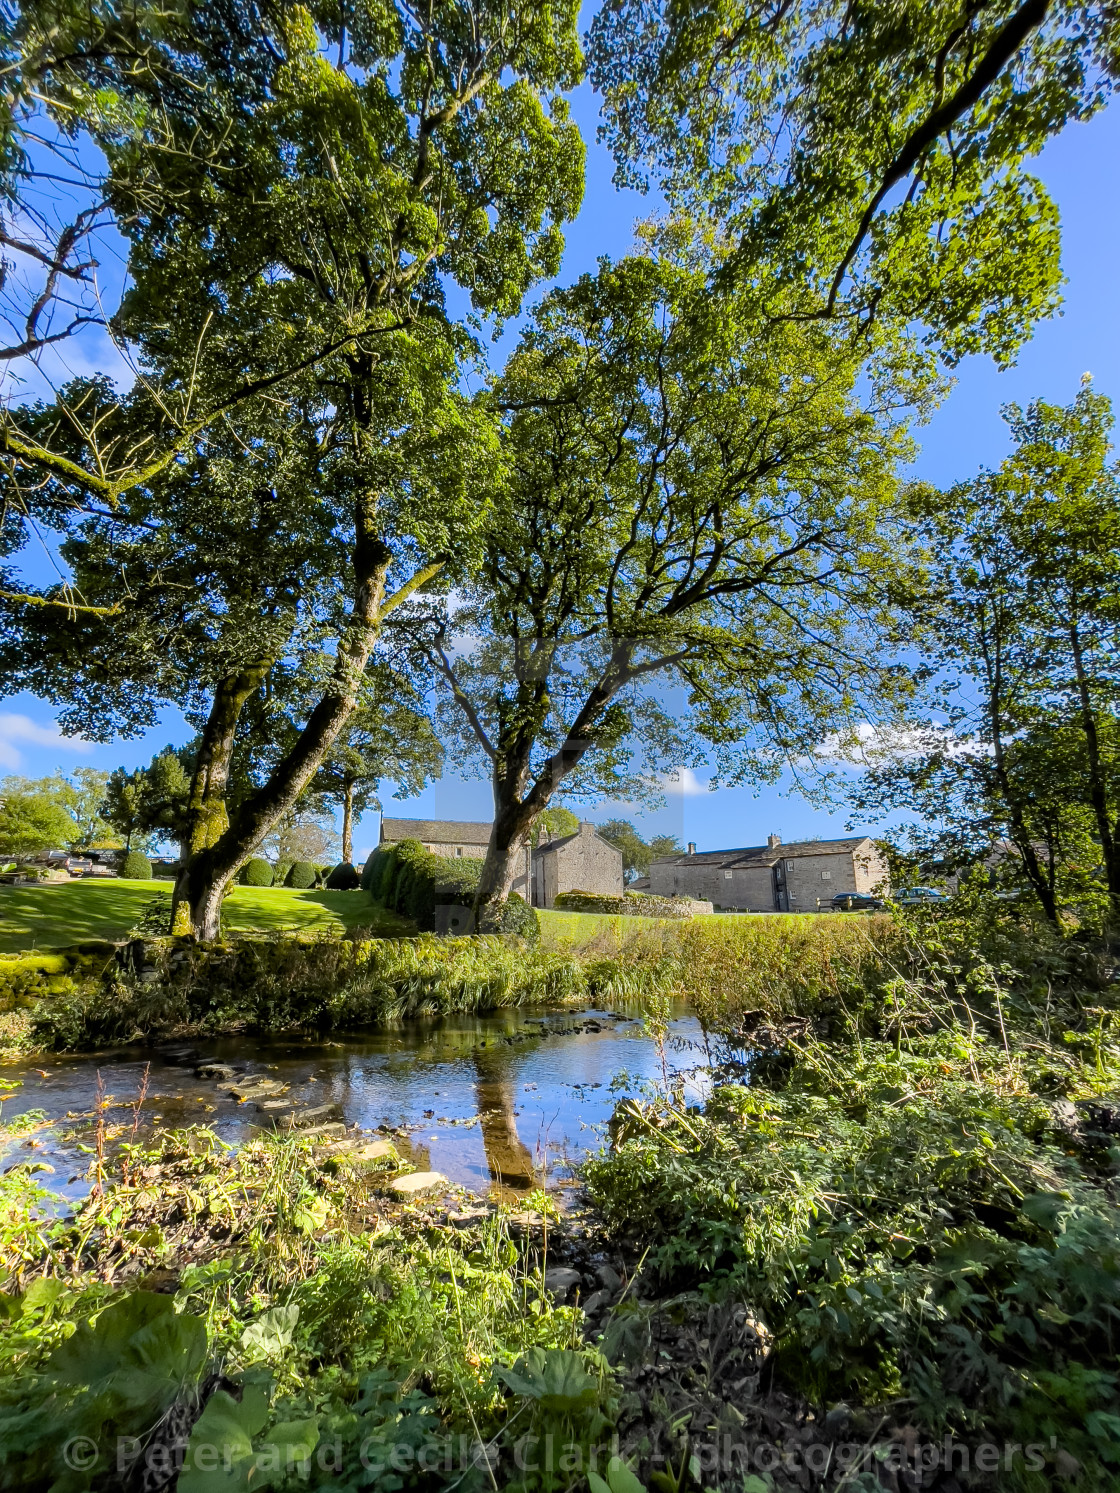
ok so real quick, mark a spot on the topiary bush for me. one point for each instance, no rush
(280, 873)
(344, 878)
(256, 872)
(302, 875)
(136, 867)
(408, 879)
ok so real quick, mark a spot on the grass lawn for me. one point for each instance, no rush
(53, 916)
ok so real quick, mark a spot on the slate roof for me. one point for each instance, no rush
(764, 855)
(546, 846)
(435, 831)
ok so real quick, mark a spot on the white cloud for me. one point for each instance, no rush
(683, 781)
(19, 734)
(867, 745)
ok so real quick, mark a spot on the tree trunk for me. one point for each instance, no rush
(517, 805)
(348, 823)
(207, 815)
(992, 635)
(1098, 793)
(211, 867)
(513, 824)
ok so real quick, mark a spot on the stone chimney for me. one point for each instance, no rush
(773, 841)
(692, 847)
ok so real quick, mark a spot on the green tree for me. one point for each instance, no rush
(387, 737)
(83, 796)
(32, 820)
(864, 166)
(1021, 625)
(733, 503)
(555, 823)
(151, 802)
(637, 854)
(434, 149)
(123, 806)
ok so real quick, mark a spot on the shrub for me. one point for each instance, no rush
(302, 875)
(136, 867)
(376, 863)
(256, 872)
(280, 873)
(343, 878)
(518, 917)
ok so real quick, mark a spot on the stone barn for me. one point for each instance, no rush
(581, 862)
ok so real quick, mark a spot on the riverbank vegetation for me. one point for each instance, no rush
(892, 1228)
(911, 1179)
(281, 1309)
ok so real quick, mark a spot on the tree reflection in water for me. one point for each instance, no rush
(509, 1159)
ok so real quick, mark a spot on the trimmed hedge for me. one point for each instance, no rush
(136, 867)
(631, 905)
(257, 872)
(302, 875)
(408, 879)
(344, 878)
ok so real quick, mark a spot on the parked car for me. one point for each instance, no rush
(855, 902)
(920, 896)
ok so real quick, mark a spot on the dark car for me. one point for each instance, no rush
(855, 902)
(920, 896)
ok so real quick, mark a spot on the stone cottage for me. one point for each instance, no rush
(579, 862)
(798, 877)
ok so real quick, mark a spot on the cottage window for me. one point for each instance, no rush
(458, 850)
(727, 876)
(826, 875)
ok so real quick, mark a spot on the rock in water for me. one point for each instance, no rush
(419, 1184)
(561, 1281)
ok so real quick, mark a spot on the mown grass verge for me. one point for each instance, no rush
(67, 913)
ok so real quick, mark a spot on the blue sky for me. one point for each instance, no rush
(1080, 169)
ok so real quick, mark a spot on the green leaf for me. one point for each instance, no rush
(621, 1479)
(555, 1377)
(219, 1453)
(271, 1333)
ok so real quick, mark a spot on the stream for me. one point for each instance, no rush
(505, 1102)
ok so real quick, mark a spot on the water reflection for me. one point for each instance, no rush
(494, 1102)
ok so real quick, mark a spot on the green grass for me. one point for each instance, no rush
(573, 930)
(55, 916)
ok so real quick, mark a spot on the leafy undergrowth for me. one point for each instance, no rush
(914, 1187)
(260, 1321)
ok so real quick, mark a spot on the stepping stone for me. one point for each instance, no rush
(216, 1070)
(323, 1132)
(609, 1278)
(374, 1150)
(301, 1119)
(469, 1216)
(255, 1089)
(419, 1184)
(178, 1054)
